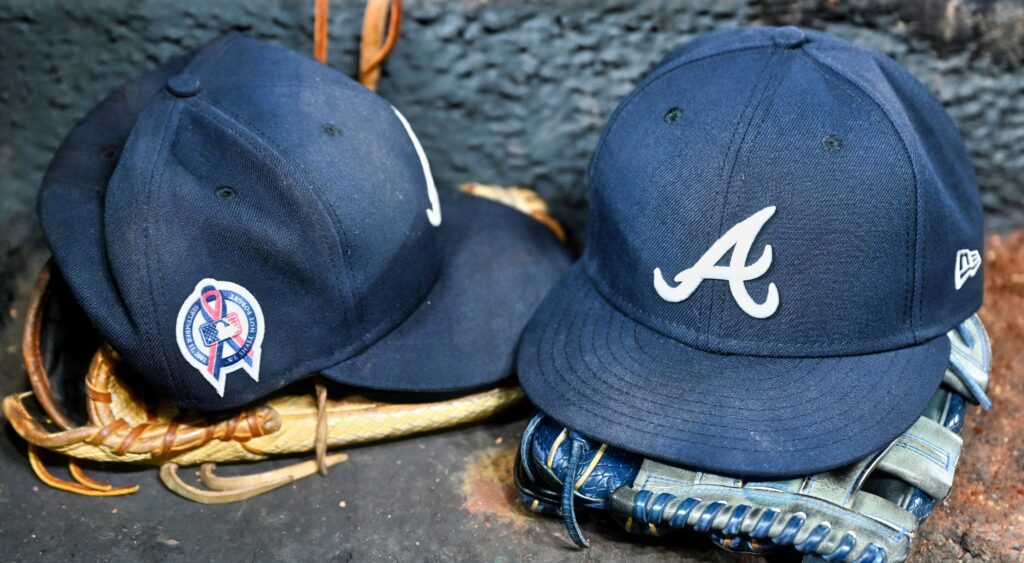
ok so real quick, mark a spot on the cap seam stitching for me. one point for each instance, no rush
(645, 84)
(239, 127)
(584, 406)
(437, 279)
(555, 325)
(651, 80)
(909, 232)
(156, 177)
(710, 299)
(916, 247)
(396, 326)
(810, 387)
(770, 87)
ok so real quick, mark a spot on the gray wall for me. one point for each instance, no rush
(502, 91)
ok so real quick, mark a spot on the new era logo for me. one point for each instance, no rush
(968, 262)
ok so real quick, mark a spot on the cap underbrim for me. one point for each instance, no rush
(499, 264)
(604, 375)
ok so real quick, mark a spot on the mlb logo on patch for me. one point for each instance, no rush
(220, 330)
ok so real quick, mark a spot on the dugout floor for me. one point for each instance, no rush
(449, 496)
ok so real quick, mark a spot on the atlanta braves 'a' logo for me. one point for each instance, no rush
(739, 239)
(219, 330)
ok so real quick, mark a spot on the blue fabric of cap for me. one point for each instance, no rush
(250, 204)
(783, 228)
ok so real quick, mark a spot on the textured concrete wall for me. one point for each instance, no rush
(502, 91)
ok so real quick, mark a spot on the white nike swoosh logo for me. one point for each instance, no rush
(434, 213)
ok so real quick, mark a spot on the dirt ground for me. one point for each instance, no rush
(983, 519)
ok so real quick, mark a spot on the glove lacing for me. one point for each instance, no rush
(569, 477)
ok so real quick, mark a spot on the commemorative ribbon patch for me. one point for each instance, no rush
(220, 330)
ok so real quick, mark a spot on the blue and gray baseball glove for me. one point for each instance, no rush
(865, 512)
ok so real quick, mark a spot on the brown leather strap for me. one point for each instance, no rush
(229, 432)
(133, 435)
(169, 436)
(169, 475)
(254, 425)
(28, 427)
(97, 395)
(107, 430)
(84, 485)
(162, 437)
(320, 443)
(82, 479)
(321, 10)
(31, 349)
(221, 490)
(374, 45)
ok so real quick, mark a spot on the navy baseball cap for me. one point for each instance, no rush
(783, 227)
(245, 217)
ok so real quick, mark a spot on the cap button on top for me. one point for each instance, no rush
(184, 85)
(790, 37)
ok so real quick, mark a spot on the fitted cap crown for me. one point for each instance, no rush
(263, 218)
(834, 173)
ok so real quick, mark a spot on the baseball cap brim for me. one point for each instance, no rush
(599, 372)
(499, 264)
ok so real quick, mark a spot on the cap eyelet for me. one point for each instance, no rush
(225, 192)
(673, 115)
(108, 153)
(790, 37)
(832, 143)
(183, 85)
(331, 130)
